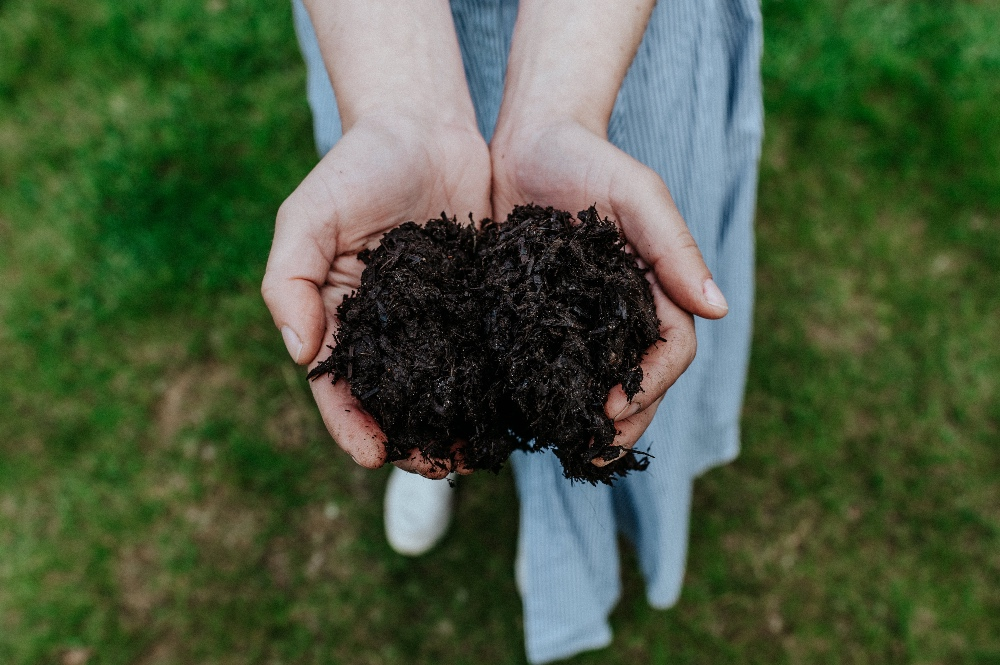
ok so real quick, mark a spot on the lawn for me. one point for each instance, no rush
(168, 493)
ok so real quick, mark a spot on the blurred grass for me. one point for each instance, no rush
(167, 491)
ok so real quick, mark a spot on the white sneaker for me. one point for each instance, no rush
(417, 511)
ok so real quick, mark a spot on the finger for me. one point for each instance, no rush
(654, 226)
(630, 431)
(353, 428)
(296, 269)
(459, 466)
(417, 463)
(663, 363)
(434, 469)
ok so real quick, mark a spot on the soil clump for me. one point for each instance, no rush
(506, 338)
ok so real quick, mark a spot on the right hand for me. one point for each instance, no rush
(564, 164)
(384, 171)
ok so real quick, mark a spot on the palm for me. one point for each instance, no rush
(564, 166)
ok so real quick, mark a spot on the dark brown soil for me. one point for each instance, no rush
(509, 338)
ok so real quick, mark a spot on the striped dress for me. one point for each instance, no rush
(689, 108)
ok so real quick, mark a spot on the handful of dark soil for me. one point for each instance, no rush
(508, 338)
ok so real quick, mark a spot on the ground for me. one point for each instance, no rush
(167, 490)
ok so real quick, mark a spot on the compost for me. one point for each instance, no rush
(469, 344)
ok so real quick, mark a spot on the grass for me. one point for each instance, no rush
(167, 490)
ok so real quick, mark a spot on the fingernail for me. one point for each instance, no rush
(292, 342)
(713, 295)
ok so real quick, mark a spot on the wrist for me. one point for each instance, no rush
(427, 100)
(423, 143)
(424, 123)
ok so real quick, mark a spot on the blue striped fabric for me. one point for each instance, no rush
(690, 108)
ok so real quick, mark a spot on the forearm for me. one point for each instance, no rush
(568, 58)
(386, 57)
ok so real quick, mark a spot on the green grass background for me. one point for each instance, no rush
(168, 493)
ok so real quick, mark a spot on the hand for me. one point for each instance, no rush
(383, 172)
(564, 164)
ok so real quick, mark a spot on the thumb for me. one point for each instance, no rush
(297, 310)
(655, 228)
(291, 289)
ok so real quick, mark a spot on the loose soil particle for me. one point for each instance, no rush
(507, 338)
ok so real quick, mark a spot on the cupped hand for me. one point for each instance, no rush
(562, 163)
(383, 172)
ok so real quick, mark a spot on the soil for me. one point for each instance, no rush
(468, 345)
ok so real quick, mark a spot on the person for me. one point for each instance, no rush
(650, 110)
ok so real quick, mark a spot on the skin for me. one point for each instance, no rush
(411, 149)
(550, 146)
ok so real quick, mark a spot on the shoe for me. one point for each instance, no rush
(417, 511)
